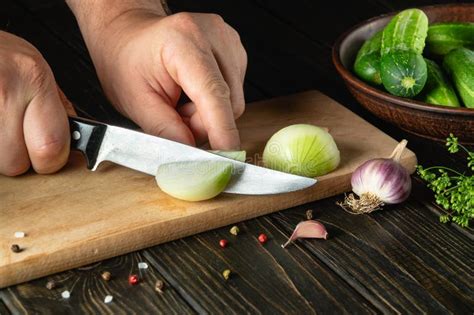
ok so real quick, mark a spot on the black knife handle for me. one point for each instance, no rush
(86, 136)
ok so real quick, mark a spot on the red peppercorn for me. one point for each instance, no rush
(262, 238)
(223, 243)
(133, 279)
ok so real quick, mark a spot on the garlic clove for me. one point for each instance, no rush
(307, 229)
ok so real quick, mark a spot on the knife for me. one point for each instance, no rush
(145, 153)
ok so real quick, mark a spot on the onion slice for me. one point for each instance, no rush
(194, 180)
(234, 155)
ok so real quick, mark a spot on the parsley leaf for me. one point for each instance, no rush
(453, 190)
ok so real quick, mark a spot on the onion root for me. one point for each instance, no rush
(367, 203)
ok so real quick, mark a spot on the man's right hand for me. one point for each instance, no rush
(34, 130)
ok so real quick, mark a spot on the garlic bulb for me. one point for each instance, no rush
(378, 182)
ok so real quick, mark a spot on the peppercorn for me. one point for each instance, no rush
(51, 284)
(234, 230)
(106, 275)
(159, 285)
(133, 279)
(223, 243)
(15, 248)
(309, 215)
(262, 238)
(226, 274)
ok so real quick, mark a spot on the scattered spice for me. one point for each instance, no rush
(262, 238)
(19, 234)
(223, 243)
(15, 248)
(133, 279)
(66, 294)
(234, 230)
(307, 229)
(142, 265)
(51, 284)
(309, 214)
(106, 275)
(108, 299)
(159, 285)
(226, 274)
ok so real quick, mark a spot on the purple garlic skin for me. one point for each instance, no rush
(308, 229)
(385, 178)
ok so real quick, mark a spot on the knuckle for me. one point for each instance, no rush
(228, 129)
(216, 19)
(217, 88)
(186, 21)
(244, 57)
(234, 34)
(160, 127)
(33, 68)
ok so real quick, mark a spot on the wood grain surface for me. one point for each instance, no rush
(77, 217)
(288, 46)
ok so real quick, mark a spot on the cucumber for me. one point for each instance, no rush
(438, 90)
(459, 63)
(367, 63)
(403, 73)
(402, 68)
(406, 31)
(444, 37)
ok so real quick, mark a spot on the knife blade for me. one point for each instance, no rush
(145, 153)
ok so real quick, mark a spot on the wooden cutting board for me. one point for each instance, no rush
(77, 217)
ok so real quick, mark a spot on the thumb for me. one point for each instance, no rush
(160, 119)
(46, 131)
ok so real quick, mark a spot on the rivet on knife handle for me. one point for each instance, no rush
(86, 136)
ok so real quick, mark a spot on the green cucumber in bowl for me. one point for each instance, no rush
(406, 31)
(367, 63)
(444, 37)
(402, 67)
(459, 63)
(438, 90)
(403, 73)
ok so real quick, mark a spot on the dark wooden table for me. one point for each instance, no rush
(400, 260)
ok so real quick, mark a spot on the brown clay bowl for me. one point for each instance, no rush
(429, 121)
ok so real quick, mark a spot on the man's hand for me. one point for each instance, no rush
(145, 59)
(33, 123)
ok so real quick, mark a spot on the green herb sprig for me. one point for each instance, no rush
(454, 191)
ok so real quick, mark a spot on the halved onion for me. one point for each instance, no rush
(194, 180)
(302, 149)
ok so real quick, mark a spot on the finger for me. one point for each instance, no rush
(46, 131)
(14, 155)
(66, 103)
(190, 114)
(233, 64)
(198, 74)
(157, 117)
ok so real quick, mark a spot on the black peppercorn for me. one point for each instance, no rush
(15, 248)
